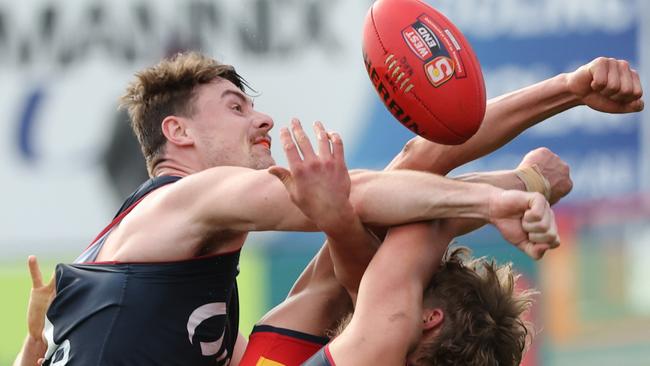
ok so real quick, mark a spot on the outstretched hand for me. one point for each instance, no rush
(319, 184)
(607, 85)
(526, 220)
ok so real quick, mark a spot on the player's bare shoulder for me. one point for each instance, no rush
(181, 221)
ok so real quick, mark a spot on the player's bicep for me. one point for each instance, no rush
(241, 199)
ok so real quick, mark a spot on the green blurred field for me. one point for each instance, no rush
(15, 285)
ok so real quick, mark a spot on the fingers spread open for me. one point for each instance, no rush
(302, 140)
(289, 147)
(324, 149)
(337, 146)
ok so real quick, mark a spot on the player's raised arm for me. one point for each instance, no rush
(379, 198)
(214, 199)
(387, 321)
(605, 84)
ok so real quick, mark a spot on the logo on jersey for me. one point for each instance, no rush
(198, 316)
(61, 355)
(266, 362)
(57, 354)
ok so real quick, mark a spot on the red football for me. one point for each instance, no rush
(424, 70)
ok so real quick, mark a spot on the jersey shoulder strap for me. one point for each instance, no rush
(91, 252)
(144, 189)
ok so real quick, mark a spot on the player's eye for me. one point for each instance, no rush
(237, 107)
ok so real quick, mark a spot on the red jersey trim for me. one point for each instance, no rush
(115, 221)
(171, 262)
(329, 355)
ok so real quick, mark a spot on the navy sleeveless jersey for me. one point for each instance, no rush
(177, 313)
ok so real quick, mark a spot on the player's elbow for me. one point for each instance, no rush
(407, 158)
(423, 155)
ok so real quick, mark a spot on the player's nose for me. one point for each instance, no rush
(263, 121)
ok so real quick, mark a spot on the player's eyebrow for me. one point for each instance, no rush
(238, 94)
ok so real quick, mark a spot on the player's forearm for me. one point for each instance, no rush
(402, 196)
(419, 249)
(504, 179)
(506, 117)
(351, 248)
(402, 267)
(32, 351)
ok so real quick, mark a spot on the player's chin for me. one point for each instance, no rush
(263, 162)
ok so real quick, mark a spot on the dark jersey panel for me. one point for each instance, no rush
(145, 314)
(145, 188)
(178, 313)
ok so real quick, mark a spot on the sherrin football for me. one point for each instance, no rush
(424, 70)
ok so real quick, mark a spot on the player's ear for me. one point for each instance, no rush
(432, 318)
(175, 130)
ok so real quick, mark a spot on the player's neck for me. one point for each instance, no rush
(172, 168)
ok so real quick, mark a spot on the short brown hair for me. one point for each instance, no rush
(167, 89)
(483, 322)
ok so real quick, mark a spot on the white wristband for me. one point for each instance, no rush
(534, 180)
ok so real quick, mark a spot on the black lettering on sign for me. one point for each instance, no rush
(62, 35)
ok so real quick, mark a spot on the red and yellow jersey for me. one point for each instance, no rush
(271, 346)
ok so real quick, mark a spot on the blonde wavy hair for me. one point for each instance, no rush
(484, 312)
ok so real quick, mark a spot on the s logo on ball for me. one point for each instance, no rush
(424, 70)
(440, 70)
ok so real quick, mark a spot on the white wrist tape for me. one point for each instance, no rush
(534, 180)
